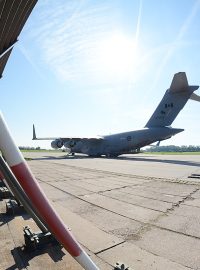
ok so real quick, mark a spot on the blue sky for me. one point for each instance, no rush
(86, 67)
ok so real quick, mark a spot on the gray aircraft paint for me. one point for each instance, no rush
(127, 142)
(157, 128)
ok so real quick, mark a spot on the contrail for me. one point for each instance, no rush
(138, 24)
(173, 45)
(28, 58)
(137, 33)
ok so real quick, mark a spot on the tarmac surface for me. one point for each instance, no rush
(142, 210)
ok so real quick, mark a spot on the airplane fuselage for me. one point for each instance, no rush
(158, 127)
(126, 142)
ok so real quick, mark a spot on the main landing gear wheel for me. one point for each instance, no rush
(112, 155)
(120, 266)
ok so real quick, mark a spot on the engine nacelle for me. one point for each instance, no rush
(69, 144)
(57, 144)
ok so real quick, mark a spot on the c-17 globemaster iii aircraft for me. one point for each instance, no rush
(157, 129)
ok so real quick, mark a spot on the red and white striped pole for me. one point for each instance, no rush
(39, 200)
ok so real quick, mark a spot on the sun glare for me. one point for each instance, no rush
(117, 55)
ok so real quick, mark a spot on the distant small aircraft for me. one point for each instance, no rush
(157, 128)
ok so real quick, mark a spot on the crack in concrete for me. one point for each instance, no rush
(148, 226)
(185, 198)
(105, 249)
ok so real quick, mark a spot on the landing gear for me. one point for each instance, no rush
(120, 266)
(69, 154)
(112, 155)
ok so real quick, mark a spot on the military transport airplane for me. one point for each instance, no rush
(157, 128)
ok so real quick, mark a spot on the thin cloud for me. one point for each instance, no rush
(68, 33)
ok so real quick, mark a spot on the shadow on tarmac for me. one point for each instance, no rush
(6, 218)
(62, 157)
(167, 161)
(22, 256)
(128, 158)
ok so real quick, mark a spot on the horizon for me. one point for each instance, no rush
(83, 68)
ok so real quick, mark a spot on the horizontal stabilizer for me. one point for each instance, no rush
(195, 97)
(179, 82)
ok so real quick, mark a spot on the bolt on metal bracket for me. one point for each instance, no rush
(121, 266)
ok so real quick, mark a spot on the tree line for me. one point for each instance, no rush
(29, 148)
(174, 148)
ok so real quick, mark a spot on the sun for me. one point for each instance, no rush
(117, 55)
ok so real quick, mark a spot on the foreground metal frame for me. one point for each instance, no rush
(20, 195)
(38, 199)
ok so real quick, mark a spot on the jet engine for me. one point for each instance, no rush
(69, 144)
(57, 144)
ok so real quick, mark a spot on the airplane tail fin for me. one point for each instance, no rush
(173, 101)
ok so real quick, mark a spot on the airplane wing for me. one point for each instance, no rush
(76, 139)
(66, 139)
